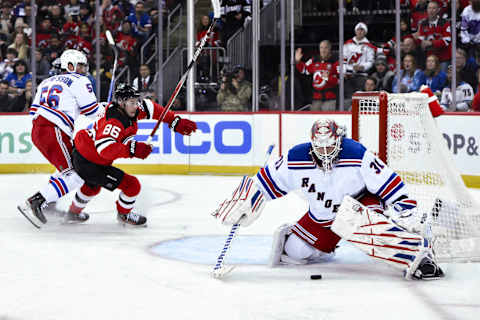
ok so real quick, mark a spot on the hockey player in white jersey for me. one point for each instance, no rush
(330, 171)
(58, 102)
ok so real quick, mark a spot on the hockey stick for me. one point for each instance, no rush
(203, 41)
(108, 34)
(220, 270)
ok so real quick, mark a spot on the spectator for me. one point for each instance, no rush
(141, 22)
(112, 15)
(476, 98)
(418, 11)
(144, 81)
(57, 17)
(208, 58)
(470, 31)
(325, 76)
(6, 66)
(409, 46)
(54, 49)
(19, 77)
(73, 8)
(127, 45)
(436, 78)
(43, 66)
(5, 99)
(20, 43)
(45, 32)
(370, 84)
(85, 14)
(382, 75)
(358, 58)
(234, 14)
(467, 73)
(434, 35)
(463, 94)
(5, 19)
(411, 78)
(235, 92)
(23, 101)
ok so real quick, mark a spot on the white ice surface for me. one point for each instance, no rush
(104, 271)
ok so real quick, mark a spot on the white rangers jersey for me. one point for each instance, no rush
(62, 98)
(355, 172)
(463, 97)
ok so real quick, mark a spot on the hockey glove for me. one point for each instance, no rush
(183, 126)
(139, 149)
(406, 214)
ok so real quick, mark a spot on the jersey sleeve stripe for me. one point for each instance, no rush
(273, 182)
(394, 191)
(389, 180)
(88, 105)
(269, 185)
(90, 110)
(101, 144)
(62, 116)
(392, 185)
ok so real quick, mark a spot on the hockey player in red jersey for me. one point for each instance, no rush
(111, 138)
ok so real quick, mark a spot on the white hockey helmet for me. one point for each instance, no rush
(74, 57)
(326, 139)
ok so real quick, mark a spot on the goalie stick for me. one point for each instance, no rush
(203, 41)
(108, 34)
(220, 270)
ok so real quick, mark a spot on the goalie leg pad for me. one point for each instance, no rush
(245, 205)
(382, 239)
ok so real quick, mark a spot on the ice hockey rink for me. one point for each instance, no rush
(102, 270)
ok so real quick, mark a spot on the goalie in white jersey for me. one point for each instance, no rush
(58, 102)
(330, 171)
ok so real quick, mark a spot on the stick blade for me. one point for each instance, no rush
(221, 272)
(109, 36)
(216, 9)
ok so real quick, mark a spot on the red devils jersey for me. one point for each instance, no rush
(440, 34)
(324, 77)
(108, 139)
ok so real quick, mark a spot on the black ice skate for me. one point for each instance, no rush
(32, 209)
(71, 217)
(132, 218)
(428, 270)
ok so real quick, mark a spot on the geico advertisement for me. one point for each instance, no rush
(462, 135)
(219, 140)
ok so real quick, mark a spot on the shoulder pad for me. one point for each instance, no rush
(300, 152)
(351, 149)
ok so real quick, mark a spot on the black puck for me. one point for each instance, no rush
(316, 277)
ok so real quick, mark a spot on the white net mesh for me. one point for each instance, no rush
(416, 150)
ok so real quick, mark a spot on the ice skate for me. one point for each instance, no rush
(32, 209)
(132, 218)
(71, 217)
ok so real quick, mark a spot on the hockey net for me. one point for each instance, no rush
(400, 129)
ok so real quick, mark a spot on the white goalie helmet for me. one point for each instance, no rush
(326, 139)
(74, 57)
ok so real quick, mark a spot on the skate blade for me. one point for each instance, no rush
(28, 218)
(131, 226)
(222, 271)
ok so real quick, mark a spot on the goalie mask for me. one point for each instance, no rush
(326, 138)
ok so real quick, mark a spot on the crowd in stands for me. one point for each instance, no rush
(425, 45)
(426, 52)
(69, 24)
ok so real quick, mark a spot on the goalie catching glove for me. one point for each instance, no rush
(245, 205)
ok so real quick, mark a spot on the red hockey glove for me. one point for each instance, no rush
(183, 126)
(139, 149)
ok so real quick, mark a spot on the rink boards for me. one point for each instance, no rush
(228, 143)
